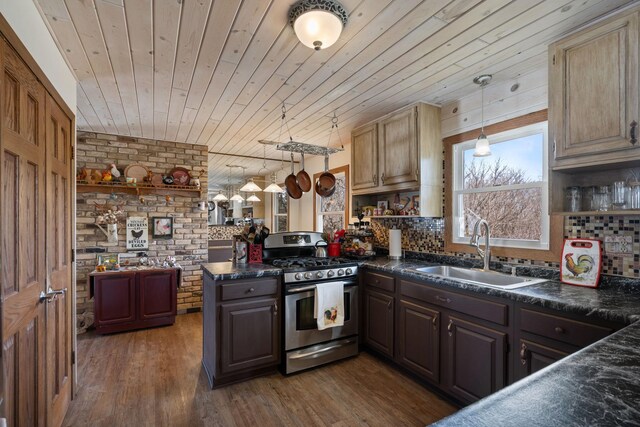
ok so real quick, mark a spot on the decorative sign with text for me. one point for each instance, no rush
(137, 233)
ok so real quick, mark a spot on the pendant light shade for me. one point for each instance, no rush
(274, 188)
(253, 198)
(317, 23)
(220, 197)
(483, 149)
(250, 187)
(237, 198)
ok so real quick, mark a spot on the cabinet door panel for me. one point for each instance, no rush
(249, 335)
(115, 299)
(398, 148)
(157, 294)
(596, 72)
(419, 340)
(364, 158)
(378, 329)
(477, 359)
(534, 357)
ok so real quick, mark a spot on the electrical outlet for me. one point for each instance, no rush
(622, 245)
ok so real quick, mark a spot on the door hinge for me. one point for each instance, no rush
(554, 60)
(73, 152)
(73, 357)
(73, 255)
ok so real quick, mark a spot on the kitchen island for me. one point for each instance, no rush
(598, 385)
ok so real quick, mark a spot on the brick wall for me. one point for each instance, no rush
(189, 242)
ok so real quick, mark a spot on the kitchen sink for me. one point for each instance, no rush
(491, 279)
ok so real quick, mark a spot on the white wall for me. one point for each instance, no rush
(26, 22)
(500, 103)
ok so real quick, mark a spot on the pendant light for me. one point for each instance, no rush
(250, 187)
(220, 197)
(273, 187)
(253, 198)
(317, 23)
(482, 144)
(236, 197)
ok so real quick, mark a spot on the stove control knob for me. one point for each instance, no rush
(319, 274)
(340, 272)
(331, 273)
(348, 271)
(298, 276)
(308, 275)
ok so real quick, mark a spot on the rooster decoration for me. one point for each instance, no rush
(584, 265)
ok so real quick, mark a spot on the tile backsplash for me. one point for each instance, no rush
(620, 236)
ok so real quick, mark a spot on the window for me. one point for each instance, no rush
(509, 189)
(331, 213)
(280, 203)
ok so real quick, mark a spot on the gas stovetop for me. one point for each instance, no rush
(305, 269)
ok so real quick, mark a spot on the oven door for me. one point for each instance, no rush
(301, 328)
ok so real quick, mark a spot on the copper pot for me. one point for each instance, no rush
(291, 183)
(303, 179)
(326, 183)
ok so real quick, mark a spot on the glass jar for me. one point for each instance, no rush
(619, 194)
(603, 198)
(588, 198)
(573, 198)
(634, 195)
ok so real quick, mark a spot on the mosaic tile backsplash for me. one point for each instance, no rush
(620, 236)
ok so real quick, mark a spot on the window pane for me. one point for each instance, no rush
(335, 203)
(512, 214)
(281, 223)
(332, 222)
(281, 203)
(515, 161)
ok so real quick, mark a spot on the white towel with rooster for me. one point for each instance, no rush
(329, 305)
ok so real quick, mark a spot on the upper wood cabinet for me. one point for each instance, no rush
(593, 94)
(401, 151)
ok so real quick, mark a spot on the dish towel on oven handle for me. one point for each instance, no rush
(329, 305)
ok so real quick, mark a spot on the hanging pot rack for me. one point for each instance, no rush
(301, 147)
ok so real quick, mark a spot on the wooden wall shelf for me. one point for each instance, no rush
(138, 189)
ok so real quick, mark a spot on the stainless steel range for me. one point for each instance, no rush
(304, 345)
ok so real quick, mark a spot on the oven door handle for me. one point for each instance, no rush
(322, 350)
(313, 287)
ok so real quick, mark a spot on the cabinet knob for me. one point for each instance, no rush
(632, 132)
(434, 321)
(524, 353)
(559, 330)
(450, 328)
(250, 290)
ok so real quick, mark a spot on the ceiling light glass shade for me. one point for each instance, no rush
(250, 187)
(220, 197)
(253, 198)
(482, 146)
(273, 188)
(237, 198)
(317, 23)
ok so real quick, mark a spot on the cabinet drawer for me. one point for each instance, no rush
(248, 288)
(558, 328)
(380, 281)
(480, 308)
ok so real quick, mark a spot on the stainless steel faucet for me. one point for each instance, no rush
(486, 253)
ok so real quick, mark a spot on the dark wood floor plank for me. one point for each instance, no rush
(153, 377)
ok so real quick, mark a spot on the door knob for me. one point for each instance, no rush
(51, 294)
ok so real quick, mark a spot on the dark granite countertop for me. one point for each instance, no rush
(597, 386)
(231, 270)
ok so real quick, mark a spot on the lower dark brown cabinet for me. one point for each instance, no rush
(419, 340)
(477, 359)
(379, 322)
(131, 300)
(241, 328)
(249, 334)
(533, 357)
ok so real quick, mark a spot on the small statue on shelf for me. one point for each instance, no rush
(115, 173)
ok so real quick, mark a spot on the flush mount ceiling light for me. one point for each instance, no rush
(317, 23)
(482, 144)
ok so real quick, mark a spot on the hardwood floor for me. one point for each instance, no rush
(153, 377)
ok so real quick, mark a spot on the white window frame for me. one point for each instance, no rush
(274, 210)
(458, 191)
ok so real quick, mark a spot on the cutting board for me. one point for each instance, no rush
(581, 262)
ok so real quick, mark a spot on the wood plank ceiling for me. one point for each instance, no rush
(217, 72)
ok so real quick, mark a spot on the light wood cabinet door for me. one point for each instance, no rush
(593, 101)
(364, 157)
(398, 148)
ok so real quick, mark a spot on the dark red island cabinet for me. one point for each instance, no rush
(130, 300)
